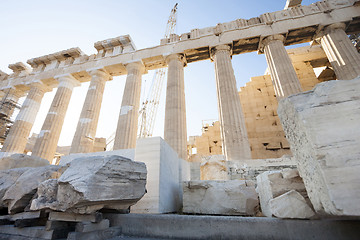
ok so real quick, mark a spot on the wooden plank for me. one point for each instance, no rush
(21, 223)
(23, 215)
(72, 217)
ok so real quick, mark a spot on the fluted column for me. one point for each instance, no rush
(232, 122)
(175, 133)
(341, 53)
(19, 132)
(84, 137)
(47, 140)
(282, 72)
(126, 131)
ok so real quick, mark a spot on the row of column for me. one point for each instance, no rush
(337, 46)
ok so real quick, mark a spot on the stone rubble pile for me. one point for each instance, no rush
(323, 129)
(110, 182)
(282, 194)
(50, 202)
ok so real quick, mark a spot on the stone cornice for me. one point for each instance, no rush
(243, 35)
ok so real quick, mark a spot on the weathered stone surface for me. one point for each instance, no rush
(272, 184)
(47, 195)
(290, 205)
(93, 183)
(236, 197)
(214, 168)
(323, 129)
(7, 179)
(21, 161)
(127, 153)
(18, 196)
(250, 169)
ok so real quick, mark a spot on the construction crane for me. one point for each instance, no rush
(149, 106)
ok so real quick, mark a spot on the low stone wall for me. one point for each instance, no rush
(215, 167)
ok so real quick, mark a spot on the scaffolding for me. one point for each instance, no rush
(7, 107)
(355, 39)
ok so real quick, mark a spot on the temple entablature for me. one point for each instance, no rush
(19, 69)
(55, 60)
(114, 46)
(241, 34)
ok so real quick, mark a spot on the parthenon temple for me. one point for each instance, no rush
(292, 133)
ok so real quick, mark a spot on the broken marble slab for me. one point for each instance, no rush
(21, 161)
(272, 184)
(234, 197)
(7, 179)
(94, 183)
(291, 205)
(19, 195)
(323, 129)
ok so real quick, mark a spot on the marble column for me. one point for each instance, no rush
(47, 140)
(83, 141)
(19, 132)
(341, 53)
(282, 72)
(126, 131)
(232, 122)
(175, 133)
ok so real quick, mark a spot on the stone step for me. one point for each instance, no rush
(30, 232)
(95, 235)
(171, 226)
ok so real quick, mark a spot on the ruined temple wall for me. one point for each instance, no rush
(259, 103)
(266, 137)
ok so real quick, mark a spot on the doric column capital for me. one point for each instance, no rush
(219, 48)
(334, 26)
(40, 85)
(267, 40)
(176, 56)
(67, 79)
(101, 73)
(138, 65)
(328, 29)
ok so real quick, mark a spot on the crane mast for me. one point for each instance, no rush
(150, 106)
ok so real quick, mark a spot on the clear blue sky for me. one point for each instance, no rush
(38, 27)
